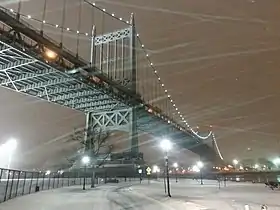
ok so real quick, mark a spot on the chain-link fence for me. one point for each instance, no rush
(14, 183)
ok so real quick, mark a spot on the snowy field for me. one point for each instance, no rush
(186, 195)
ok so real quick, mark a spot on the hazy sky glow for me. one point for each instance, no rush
(219, 60)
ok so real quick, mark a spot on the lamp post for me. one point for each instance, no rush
(276, 162)
(175, 165)
(235, 162)
(140, 171)
(200, 166)
(156, 170)
(166, 146)
(7, 150)
(85, 161)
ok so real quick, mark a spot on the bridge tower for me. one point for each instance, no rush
(114, 54)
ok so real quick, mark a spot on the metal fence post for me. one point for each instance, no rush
(7, 185)
(62, 176)
(53, 180)
(37, 182)
(1, 172)
(24, 179)
(57, 180)
(43, 184)
(49, 181)
(32, 174)
(19, 172)
(12, 184)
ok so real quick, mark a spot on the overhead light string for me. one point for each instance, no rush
(70, 30)
(178, 113)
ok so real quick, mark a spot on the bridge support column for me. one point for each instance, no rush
(133, 134)
(133, 66)
(124, 120)
(87, 126)
(89, 132)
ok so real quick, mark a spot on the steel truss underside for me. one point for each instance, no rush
(23, 72)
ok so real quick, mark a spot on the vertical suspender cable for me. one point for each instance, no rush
(43, 17)
(79, 28)
(19, 9)
(63, 23)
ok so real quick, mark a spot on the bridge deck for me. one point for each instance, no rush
(25, 70)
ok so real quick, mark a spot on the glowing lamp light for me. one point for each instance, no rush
(195, 168)
(276, 161)
(7, 150)
(85, 160)
(9, 146)
(200, 164)
(50, 54)
(166, 145)
(60, 172)
(175, 165)
(235, 162)
(155, 169)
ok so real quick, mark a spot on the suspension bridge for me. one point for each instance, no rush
(87, 59)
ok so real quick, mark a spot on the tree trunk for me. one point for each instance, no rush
(93, 178)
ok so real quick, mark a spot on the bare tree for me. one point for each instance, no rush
(93, 142)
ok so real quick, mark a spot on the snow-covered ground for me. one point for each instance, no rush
(208, 196)
(186, 195)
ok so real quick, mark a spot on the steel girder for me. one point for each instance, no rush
(109, 37)
(23, 73)
(112, 120)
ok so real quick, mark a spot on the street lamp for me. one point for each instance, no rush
(256, 166)
(156, 170)
(175, 165)
(276, 162)
(8, 149)
(140, 171)
(235, 162)
(200, 166)
(166, 145)
(49, 54)
(85, 161)
(48, 172)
